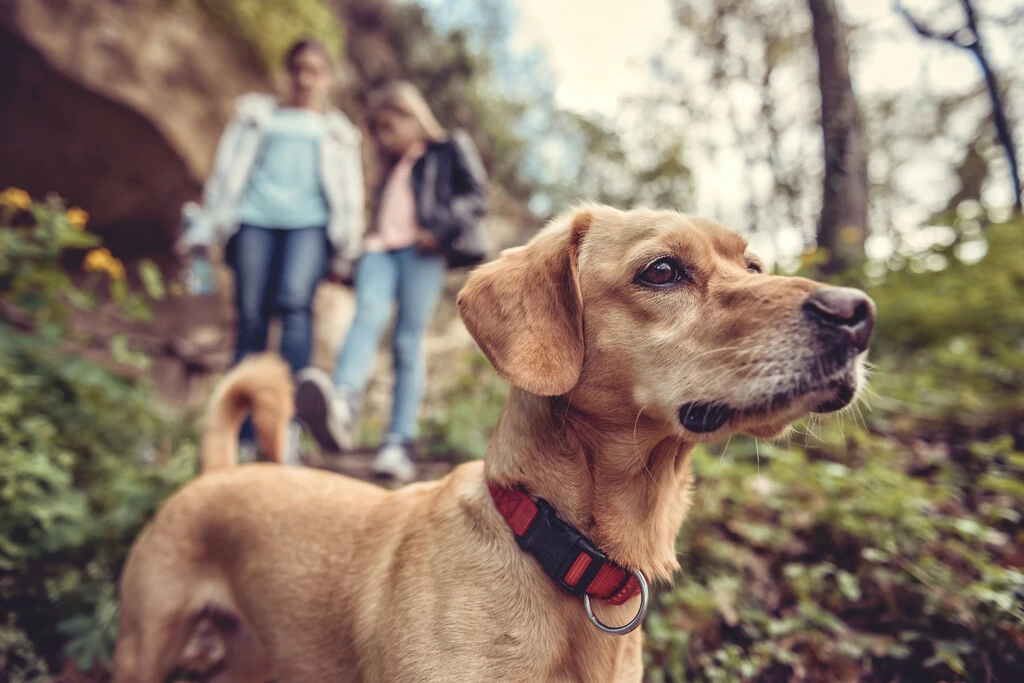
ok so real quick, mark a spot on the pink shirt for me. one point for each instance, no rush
(397, 224)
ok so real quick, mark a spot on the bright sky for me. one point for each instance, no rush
(597, 48)
(600, 50)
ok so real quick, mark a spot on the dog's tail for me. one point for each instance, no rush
(261, 386)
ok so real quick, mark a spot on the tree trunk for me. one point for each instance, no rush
(844, 207)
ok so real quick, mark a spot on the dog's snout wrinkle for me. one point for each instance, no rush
(846, 309)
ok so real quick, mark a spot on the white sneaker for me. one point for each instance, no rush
(329, 415)
(247, 452)
(393, 461)
(291, 448)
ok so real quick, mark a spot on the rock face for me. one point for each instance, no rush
(115, 105)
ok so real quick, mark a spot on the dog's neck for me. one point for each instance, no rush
(626, 486)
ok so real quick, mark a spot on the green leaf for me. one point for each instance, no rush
(849, 585)
(152, 279)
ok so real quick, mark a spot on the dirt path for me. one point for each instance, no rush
(357, 464)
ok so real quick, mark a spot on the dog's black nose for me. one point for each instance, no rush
(845, 309)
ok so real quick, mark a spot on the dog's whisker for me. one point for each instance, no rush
(568, 400)
(810, 431)
(856, 407)
(639, 455)
(565, 415)
(723, 349)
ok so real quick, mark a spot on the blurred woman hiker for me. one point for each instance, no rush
(427, 214)
(286, 199)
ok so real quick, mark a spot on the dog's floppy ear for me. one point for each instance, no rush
(525, 310)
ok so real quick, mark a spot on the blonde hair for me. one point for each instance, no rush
(403, 97)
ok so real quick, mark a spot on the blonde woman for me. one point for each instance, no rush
(426, 219)
(286, 198)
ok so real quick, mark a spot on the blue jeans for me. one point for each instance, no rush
(276, 274)
(415, 281)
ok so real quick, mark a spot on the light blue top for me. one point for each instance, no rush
(284, 189)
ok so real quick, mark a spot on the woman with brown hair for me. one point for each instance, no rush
(427, 215)
(286, 199)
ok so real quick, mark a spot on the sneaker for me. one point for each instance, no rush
(393, 461)
(329, 415)
(291, 449)
(247, 452)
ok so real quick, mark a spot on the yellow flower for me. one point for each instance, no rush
(77, 217)
(101, 260)
(116, 269)
(97, 259)
(16, 199)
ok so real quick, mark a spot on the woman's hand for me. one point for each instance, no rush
(342, 272)
(183, 248)
(425, 241)
(339, 279)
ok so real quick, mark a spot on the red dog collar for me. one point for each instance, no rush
(565, 554)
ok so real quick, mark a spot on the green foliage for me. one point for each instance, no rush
(270, 27)
(18, 660)
(36, 291)
(77, 443)
(35, 238)
(460, 425)
(75, 489)
(815, 562)
(953, 339)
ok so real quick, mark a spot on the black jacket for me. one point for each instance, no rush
(450, 187)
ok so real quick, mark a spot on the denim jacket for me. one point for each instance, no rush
(341, 168)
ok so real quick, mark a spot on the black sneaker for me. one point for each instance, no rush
(329, 416)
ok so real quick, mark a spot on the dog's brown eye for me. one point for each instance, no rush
(755, 267)
(662, 272)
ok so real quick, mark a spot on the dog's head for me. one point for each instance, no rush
(668, 316)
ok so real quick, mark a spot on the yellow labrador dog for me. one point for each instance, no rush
(628, 337)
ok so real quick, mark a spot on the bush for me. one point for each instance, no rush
(950, 344)
(78, 445)
(270, 27)
(827, 566)
(464, 414)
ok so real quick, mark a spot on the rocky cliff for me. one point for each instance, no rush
(115, 105)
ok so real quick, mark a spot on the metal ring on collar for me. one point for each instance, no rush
(637, 620)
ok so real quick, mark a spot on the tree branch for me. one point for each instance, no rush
(921, 29)
(969, 38)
